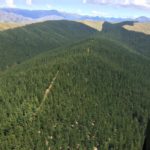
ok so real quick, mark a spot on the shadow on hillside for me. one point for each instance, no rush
(136, 40)
(146, 145)
(115, 26)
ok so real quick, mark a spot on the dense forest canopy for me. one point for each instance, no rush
(73, 88)
(23, 43)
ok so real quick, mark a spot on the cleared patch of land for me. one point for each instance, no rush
(6, 26)
(139, 27)
(93, 24)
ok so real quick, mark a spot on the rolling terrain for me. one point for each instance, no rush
(73, 87)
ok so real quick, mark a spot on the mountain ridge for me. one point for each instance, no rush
(52, 35)
(11, 17)
(39, 14)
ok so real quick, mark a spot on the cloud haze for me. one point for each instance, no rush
(29, 2)
(136, 3)
(10, 3)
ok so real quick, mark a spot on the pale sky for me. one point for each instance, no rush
(105, 8)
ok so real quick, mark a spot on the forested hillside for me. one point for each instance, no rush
(25, 42)
(73, 88)
(99, 98)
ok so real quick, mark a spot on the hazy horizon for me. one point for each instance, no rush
(101, 8)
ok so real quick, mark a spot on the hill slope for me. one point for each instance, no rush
(98, 97)
(23, 43)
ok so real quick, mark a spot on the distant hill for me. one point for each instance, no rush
(37, 14)
(58, 15)
(142, 19)
(11, 17)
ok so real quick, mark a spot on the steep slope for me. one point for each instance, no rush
(23, 43)
(92, 94)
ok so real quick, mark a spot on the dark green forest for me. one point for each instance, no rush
(23, 43)
(64, 85)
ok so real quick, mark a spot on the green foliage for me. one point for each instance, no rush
(23, 43)
(99, 99)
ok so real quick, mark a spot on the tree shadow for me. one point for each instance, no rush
(146, 145)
